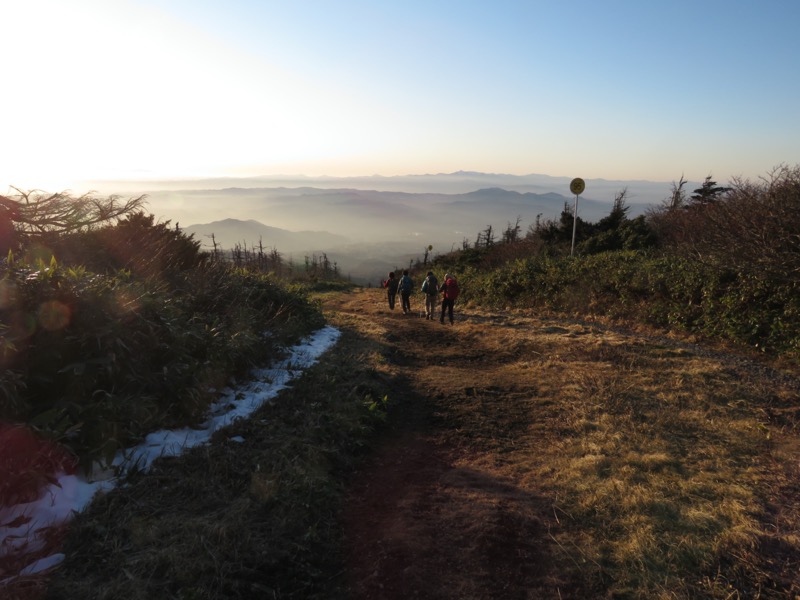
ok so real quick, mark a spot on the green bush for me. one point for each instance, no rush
(99, 360)
(725, 263)
(657, 289)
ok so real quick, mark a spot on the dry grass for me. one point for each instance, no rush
(524, 457)
(256, 519)
(659, 468)
(661, 461)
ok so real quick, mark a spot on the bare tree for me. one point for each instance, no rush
(215, 253)
(485, 238)
(678, 197)
(511, 234)
(666, 220)
(275, 261)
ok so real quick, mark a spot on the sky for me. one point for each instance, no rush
(619, 89)
(23, 527)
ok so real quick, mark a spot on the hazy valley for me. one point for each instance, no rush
(384, 222)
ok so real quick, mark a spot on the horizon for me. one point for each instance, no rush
(455, 183)
(145, 185)
(627, 92)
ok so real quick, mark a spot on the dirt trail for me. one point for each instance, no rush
(461, 499)
(440, 511)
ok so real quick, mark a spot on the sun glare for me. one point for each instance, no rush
(172, 103)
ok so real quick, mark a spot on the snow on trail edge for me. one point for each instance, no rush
(23, 527)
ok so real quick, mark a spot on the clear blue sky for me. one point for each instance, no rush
(613, 89)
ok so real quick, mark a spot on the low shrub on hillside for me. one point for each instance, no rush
(98, 359)
(724, 263)
(137, 243)
(660, 290)
(751, 227)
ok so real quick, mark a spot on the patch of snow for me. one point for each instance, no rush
(23, 527)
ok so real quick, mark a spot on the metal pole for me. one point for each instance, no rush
(574, 225)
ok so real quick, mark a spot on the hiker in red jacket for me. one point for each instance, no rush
(391, 289)
(450, 292)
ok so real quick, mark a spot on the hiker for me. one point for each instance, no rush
(391, 289)
(430, 287)
(449, 291)
(406, 287)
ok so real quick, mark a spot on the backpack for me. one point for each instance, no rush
(451, 288)
(406, 284)
(430, 286)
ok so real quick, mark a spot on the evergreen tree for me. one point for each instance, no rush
(708, 193)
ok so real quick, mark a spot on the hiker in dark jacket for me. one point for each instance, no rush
(391, 289)
(449, 291)
(430, 287)
(406, 287)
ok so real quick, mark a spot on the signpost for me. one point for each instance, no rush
(576, 186)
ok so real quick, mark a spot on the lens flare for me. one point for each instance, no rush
(53, 315)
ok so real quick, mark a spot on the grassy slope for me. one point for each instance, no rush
(592, 462)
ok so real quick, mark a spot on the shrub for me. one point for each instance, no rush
(29, 216)
(751, 227)
(658, 289)
(98, 360)
(136, 243)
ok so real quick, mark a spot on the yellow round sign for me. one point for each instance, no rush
(577, 185)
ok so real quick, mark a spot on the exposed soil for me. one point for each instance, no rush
(435, 513)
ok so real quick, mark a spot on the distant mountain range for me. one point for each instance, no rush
(373, 216)
(229, 233)
(459, 182)
(371, 224)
